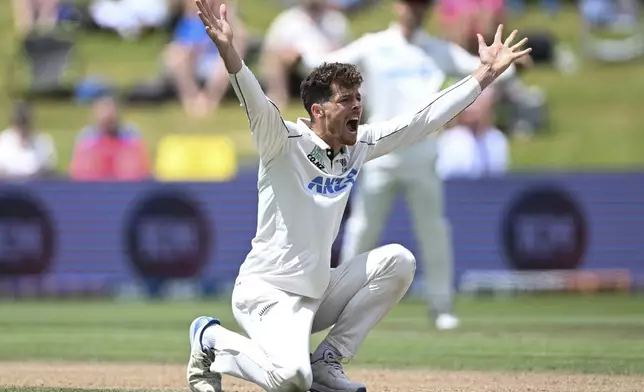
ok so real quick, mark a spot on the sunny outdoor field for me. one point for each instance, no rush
(596, 113)
(540, 343)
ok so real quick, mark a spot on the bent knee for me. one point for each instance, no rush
(295, 379)
(401, 261)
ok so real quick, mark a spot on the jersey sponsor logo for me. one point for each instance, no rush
(327, 186)
(315, 157)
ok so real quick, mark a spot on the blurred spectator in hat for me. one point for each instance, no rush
(309, 29)
(109, 149)
(25, 153)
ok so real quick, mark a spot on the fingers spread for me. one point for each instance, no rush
(519, 44)
(522, 53)
(510, 38)
(203, 18)
(481, 40)
(207, 9)
(201, 8)
(499, 34)
(223, 12)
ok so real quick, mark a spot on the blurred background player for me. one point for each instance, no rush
(309, 29)
(403, 66)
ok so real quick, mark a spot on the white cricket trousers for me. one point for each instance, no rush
(412, 172)
(279, 325)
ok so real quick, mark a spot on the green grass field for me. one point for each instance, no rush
(577, 334)
(596, 114)
(602, 334)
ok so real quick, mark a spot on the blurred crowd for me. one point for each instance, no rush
(475, 144)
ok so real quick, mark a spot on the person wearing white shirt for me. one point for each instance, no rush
(401, 65)
(286, 290)
(309, 29)
(474, 147)
(25, 153)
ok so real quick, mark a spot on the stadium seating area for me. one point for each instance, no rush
(86, 60)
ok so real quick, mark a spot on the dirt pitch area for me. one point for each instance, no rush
(133, 376)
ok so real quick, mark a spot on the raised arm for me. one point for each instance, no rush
(267, 127)
(446, 104)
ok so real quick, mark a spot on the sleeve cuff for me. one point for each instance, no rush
(242, 71)
(475, 85)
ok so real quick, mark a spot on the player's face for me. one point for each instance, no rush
(411, 13)
(342, 115)
(106, 113)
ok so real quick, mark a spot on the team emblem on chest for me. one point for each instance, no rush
(324, 185)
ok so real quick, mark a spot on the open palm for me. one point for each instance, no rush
(218, 28)
(501, 54)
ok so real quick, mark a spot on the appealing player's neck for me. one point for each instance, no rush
(327, 137)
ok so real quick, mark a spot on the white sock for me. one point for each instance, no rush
(238, 356)
(323, 349)
(209, 336)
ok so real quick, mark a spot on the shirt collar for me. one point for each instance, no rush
(303, 124)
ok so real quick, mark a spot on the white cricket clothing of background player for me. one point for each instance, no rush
(286, 290)
(399, 73)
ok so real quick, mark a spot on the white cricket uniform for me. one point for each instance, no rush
(330, 32)
(399, 75)
(286, 289)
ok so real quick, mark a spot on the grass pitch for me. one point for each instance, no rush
(538, 343)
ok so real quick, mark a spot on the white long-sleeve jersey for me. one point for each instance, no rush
(303, 188)
(400, 74)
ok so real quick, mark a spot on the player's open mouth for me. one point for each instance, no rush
(352, 124)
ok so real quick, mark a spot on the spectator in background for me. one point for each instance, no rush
(198, 73)
(473, 147)
(25, 153)
(30, 15)
(109, 149)
(310, 29)
(461, 20)
(130, 18)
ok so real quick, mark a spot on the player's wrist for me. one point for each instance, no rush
(231, 58)
(485, 74)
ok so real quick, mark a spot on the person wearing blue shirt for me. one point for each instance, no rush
(199, 75)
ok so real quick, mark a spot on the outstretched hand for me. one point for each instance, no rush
(500, 55)
(217, 27)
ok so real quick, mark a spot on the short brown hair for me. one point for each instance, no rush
(316, 88)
